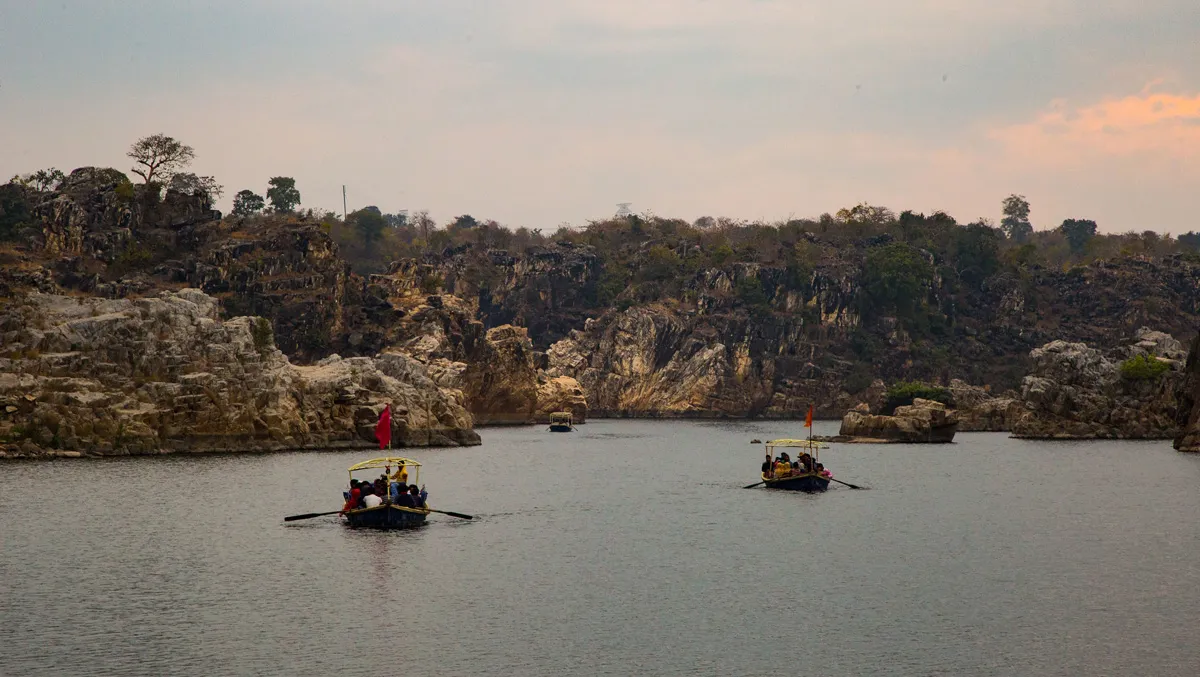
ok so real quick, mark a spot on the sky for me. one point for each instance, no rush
(543, 112)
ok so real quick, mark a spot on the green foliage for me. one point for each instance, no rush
(903, 393)
(283, 195)
(659, 265)
(369, 223)
(432, 283)
(720, 255)
(976, 253)
(263, 335)
(15, 211)
(610, 286)
(750, 293)
(1078, 232)
(125, 192)
(1015, 223)
(895, 278)
(135, 257)
(1190, 239)
(42, 180)
(247, 203)
(1143, 368)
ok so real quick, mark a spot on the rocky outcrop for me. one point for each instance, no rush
(656, 361)
(979, 411)
(1187, 395)
(922, 421)
(560, 393)
(113, 377)
(548, 289)
(1077, 392)
(494, 370)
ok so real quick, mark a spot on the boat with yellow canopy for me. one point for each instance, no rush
(388, 515)
(801, 479)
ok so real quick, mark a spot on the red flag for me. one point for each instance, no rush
(808, 419)
(383, 429)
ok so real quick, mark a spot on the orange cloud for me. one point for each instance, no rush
(1150, 124)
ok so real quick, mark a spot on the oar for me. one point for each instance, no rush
(453, 514)
(293, 518)
(751, 486)
(852, 486)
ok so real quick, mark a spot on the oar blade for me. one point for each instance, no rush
(455, 514)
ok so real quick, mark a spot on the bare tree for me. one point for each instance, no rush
(159, 156)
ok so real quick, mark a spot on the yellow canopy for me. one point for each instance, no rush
(383, 463)
(806, 444)
(560, 416)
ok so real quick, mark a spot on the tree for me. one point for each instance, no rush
(464, 222)
(976, 252)
(1190, 239)
(188, 183)
(895, 277)
(247, 202)
(159, 156)
(1015, 223)
(283, 194)
(1078, 232)
(864, 213)
(369, 223)
(42, 180)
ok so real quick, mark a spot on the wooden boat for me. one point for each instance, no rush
(387, 516)
(801, 481)
(560, 422)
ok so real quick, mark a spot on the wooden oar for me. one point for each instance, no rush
(751, 486)
(453, 514)
(293, 518)
(852, 486)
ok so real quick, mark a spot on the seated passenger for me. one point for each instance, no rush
(822, 471)
(403, 499)
(381, 486)
(418, 496)
(353, 499)
(768, 468)
(370, 500)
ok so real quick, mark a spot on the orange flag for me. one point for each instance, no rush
(808, 419)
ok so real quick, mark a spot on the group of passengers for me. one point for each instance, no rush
(783, 466)
(397, 491)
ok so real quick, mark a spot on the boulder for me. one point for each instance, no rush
(922, 421)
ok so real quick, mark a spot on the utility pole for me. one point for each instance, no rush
(343, 203)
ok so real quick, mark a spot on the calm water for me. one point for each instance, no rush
(626, 548)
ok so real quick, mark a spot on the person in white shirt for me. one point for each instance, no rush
(371, 500)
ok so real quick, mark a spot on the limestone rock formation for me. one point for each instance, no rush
(979, 411)
(495, 370)
(922, 421)
(656, 361)
(560, 393)
(1076, 392)
(1187, 393)
(156, 375)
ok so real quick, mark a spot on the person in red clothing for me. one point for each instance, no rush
(352, 502)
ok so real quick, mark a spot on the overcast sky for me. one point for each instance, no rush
(538, 112)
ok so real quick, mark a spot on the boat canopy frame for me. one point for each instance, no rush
(386, 463)
(814, 445)
(561, 417)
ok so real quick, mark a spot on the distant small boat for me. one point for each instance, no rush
(387, 515)
(798, 481)
(560, 422)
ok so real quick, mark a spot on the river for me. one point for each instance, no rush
(628, 547)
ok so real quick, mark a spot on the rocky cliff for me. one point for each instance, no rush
(86, 375)
(1078, 392)
(1187, 395)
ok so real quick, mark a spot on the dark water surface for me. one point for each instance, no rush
(625, 548)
